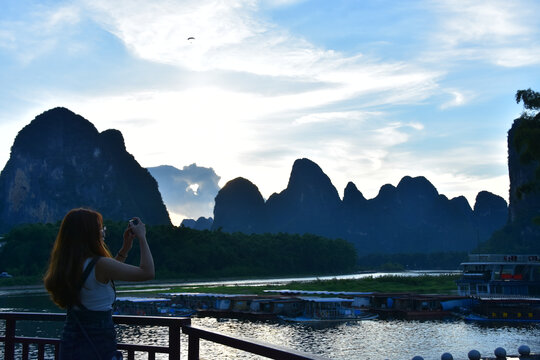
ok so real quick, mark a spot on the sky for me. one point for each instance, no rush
(370, 90)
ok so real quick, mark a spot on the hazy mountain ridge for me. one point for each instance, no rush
(60, 161)
(411, 217)
(187, 192)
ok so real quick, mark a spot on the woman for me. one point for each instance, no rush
(81, 279)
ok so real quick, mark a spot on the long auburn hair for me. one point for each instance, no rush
(79, 238)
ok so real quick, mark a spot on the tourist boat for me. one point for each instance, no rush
(500, 275)
(514, 309)
(504, 288)
(253, 307)
(411, 306)
(145, 306)
(329, 309)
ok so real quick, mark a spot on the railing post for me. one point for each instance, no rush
(9, 347)
(41, 351)
(25, 351)
(193, 347)
(174, 342)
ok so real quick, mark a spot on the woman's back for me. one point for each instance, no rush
(94, 294)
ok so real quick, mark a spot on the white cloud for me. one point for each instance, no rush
(489, 21)
(517, 57)
(39, 33)
(495, 31)
(458, 99)
(282, 3)
(193, 188)
(332, 117)
(231, 37)
(57, 18)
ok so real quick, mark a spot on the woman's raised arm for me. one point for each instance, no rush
(111, 269)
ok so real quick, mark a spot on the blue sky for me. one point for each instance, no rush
(370, 90)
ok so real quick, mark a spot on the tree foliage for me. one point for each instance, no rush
(530, 98)
(181, 253)
(412, 261)
(510, 240)
(527, 136)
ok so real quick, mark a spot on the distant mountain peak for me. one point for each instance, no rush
(411, 217)
(54, 130)
(352, 194)
(60, 161)
(305, 171)
(418, 185)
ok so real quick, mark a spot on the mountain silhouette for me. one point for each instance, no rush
(60, 161)
(409, 217)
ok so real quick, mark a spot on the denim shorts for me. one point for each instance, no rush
(99, 342)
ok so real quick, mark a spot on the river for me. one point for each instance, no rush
(373, 339)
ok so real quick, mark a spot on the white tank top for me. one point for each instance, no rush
(95, 295)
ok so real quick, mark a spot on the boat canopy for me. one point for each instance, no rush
(326, 300)
(140, 300)
(500, 258)
(319, 292)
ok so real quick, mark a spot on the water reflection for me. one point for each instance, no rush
(380, 339)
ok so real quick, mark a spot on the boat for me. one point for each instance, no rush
(146, 306)
(504, 288)
(253, 307)
(329, 310)
(500, 275)
(404, 305)
(412, 306)
(507, 309)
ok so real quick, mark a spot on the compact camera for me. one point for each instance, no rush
(134, 221)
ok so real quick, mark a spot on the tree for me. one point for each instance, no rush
(531, 99)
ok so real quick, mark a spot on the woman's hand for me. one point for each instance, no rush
(138, 230)
(128, 241)
(107, 269)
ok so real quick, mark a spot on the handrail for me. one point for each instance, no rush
(173, 323)
(253, 346)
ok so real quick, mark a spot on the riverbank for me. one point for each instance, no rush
(420, 284)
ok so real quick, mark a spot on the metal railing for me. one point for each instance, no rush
(175, 325)
(252, 346)
(10, 340)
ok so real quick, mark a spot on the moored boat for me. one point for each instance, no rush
(504, 288)
(514, 309)
(146, 306)
(411, 306)
(329, 309)
(500, 275)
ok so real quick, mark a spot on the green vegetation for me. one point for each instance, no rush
(20, 281)
(184, 253)
(418, 261)
(425, 284)
(510, 240)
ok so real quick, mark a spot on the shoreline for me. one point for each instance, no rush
(257, 285)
